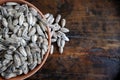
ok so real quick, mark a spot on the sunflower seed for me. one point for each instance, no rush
(32, 66)
(26, 37)
(30, 18)
(43, 30)
(14, 36)
(34, 57)
(11, 41)
(42, 26)
(63, 22)
(12, 13)
(61, 50)
(58, 18)
(44, 21)
(45, 47)
(12, 48)
(34, 38)
(59, 34)
(50, 18)
(16, 28)
(64, 37)
(35, 50)
(21, 19)
(38, 58)
(53, 40)
(9, 64)
(65, 30)
(4, 22)
(22, 8)
(11, 27)
(29, 27)
(40, 39)
(5, 32)
(3, 68)
(59, 42)
(25, 24)
(5, 62)
(9, 75)
(25, 68)
(4, 11)
(34, 21)
(16, 15)
(62, 43)
(39, 17)
(51, 49)
(22, 42)
(28, 51)
(3, 74)
(46, 35)
(30, 59)
(6, 36)
(11, 3)
(32, 31)
(33, 11)
(19, 33)
(22, 51)
(25, 31)
(55, 34)
(45, 41)
(39, 31)
(17, 7)
(51, 21)
(47, 15)
(9, 52)
(43, 52)
(17, 60)
(57, 27)
(19, 72)
(27, 10)
(8, 56)
(33, 45)
(29, 55)
(22, 58)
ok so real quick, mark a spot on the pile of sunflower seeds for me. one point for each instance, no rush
(57, 31)
(24, 38)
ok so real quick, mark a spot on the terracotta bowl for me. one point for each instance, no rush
(23, 76)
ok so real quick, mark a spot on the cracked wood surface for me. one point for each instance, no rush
(93, 52)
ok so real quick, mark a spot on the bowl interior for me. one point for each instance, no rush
(24, 76)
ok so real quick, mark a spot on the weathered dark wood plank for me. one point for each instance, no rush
(93, 52)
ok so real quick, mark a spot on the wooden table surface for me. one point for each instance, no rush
(93, 52)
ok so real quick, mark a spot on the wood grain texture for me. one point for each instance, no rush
(93, 52)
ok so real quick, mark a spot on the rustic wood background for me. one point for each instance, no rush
(93, 52)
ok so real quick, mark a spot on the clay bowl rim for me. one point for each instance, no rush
(30, 73)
